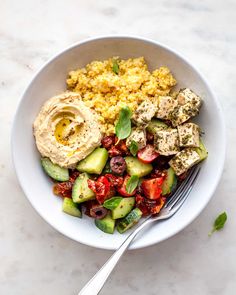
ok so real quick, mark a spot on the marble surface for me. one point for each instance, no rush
(35, 259)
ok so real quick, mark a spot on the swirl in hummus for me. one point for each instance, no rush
(66, 131)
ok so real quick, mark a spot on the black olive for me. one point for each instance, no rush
(118, 165)
(98, 212)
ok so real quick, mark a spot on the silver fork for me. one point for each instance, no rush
(94, 286)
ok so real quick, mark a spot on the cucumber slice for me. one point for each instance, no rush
(80, 190)
(124, 207)
(71, 208)
(107, 224)
(55, 171)
(202, 151)
(135, 167)
(170, 182)
(156, 125)
(95, 162)
(130, 220)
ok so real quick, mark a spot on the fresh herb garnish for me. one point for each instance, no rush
(219, 223)
(133, 148)
(123, 126)
(115, 67)
(112, 203)
(132, 183)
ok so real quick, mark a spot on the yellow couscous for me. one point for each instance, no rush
(105, 91)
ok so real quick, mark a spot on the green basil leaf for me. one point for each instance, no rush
(115, 67)
(123, 126)
(219, 223)
(133, 148)
(112, 203)
(132, 183)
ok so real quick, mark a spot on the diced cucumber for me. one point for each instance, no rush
(124, 207)
(156, 125)
(107, 224)
(80, 190)
(71, 208)
(55, 171)
(170, 182)
(202, 151)
(95, 162)
(130, 220)
(135, 167)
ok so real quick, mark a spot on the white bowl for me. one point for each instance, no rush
(50, 80)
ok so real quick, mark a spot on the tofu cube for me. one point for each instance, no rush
(139, 136)
(144, 113)
(184, 160)
(178, 116)
(186, 96)
(166, 105)
(167, 142)
(188, 106)
(188, 135)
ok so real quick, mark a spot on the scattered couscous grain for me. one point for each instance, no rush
(106, 91)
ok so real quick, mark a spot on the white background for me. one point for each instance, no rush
(34, 258)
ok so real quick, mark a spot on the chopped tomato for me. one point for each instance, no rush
(148, 206)
(147, 154)
(73, 175)
(114, 151)
(138, 199)
(122, 190)
(158, 173)
(64, 189)
(141, 204)
(102, 188)
(92, 185)
(156, 209)
(152, 188)
(121, 146)
(108, 142)
(115, 181)
(145, 210)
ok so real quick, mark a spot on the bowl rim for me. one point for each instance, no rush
(180, 56)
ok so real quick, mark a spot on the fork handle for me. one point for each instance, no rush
(95, 285)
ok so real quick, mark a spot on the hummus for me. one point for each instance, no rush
(66, 131)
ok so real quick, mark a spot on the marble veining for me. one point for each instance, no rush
(35, 259)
